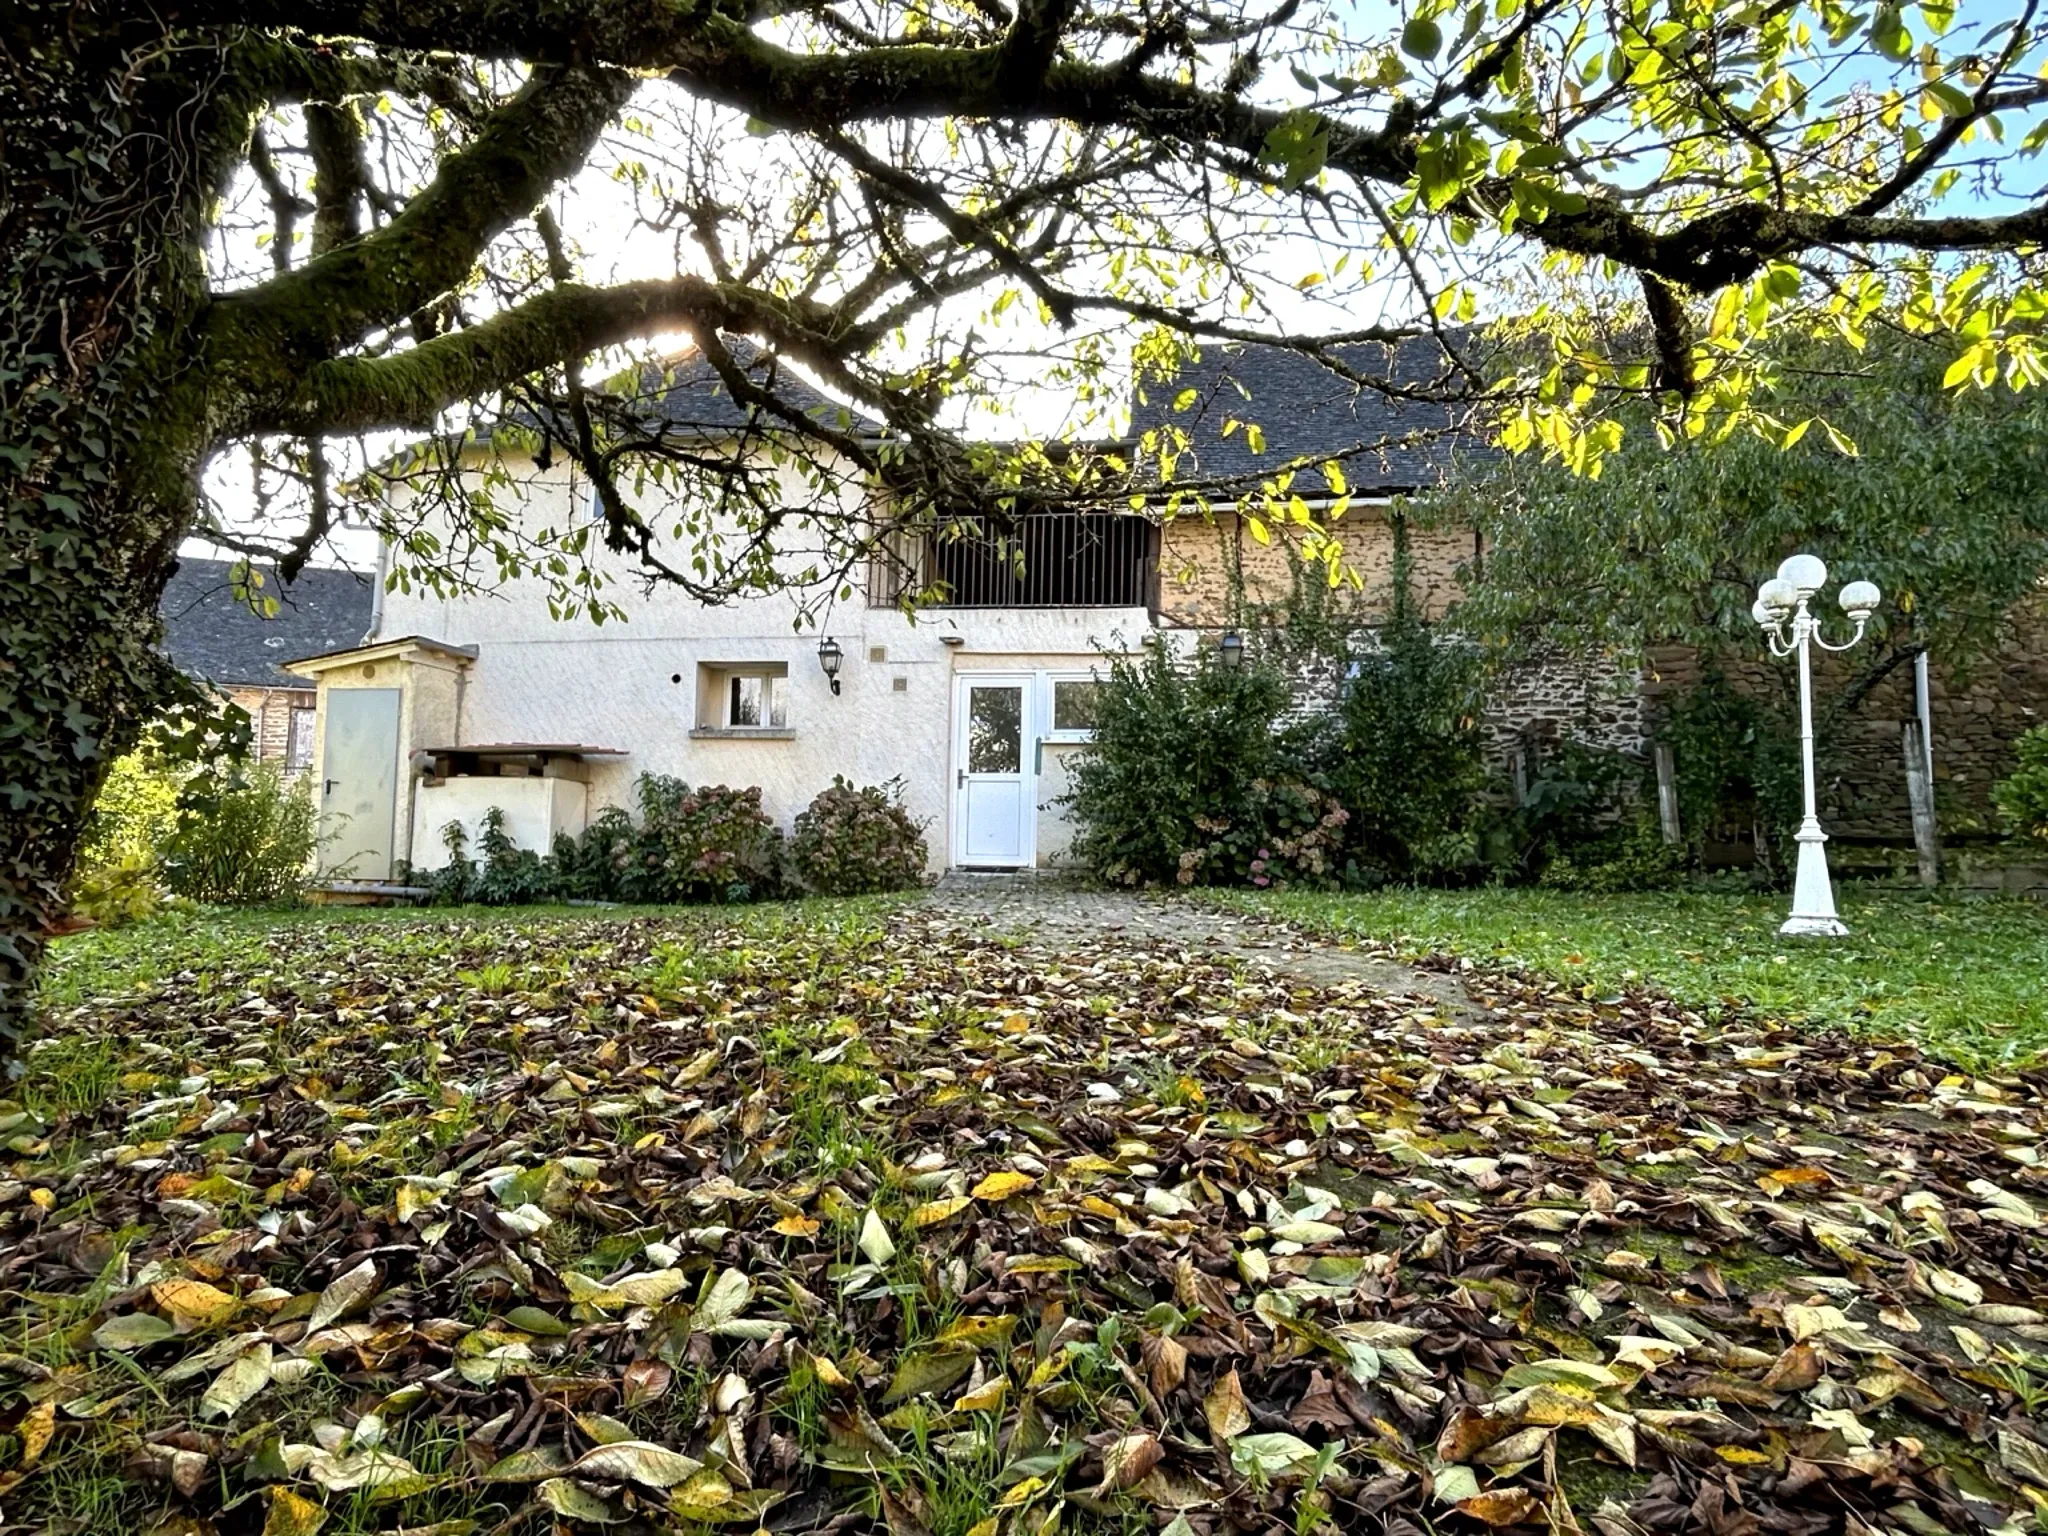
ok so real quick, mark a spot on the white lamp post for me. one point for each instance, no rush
(1782, 611)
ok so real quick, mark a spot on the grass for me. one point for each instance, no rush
(107, 962)
(1965, 978)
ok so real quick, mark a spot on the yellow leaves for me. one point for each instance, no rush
(797, 1225)
(193, 1304)
(649, 1289)
(1225, 1408)
(987, 1398)
(1003, 1185)
(937, 1212)
(291, 1514)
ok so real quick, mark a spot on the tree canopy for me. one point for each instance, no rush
(1940, 499)
(913, 204)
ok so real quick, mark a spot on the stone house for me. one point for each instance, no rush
(212, 635)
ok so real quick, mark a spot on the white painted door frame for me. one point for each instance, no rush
(995, 814)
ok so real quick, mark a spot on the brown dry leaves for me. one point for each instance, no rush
(855, 1225)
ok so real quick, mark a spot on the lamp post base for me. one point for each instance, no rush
(1814, 927)
(1813, 894)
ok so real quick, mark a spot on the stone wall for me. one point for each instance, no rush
(1544, 701)
(1978, 712)
(1197, 557)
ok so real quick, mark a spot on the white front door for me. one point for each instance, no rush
(994, 773)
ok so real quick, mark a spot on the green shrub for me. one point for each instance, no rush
(1403, 754)
(509, 876)
(713, 843)
(1191, 780)
(2022, 797)
(601, 864)
(252, 841)
(134, 814)
(850, 842)
(114, 894)
(1289, 833)
(1737, 767)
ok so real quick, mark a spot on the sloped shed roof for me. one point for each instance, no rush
(210, 634)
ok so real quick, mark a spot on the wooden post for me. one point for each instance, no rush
(1920, 796)
(1667, 792)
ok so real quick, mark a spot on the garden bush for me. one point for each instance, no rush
(134, 814)
(1737, 765)
(113, 894)
(252, 840)
(2022, 797)
(709, 844)
(713, 843)
(1191, 778)
(850, 842)
(1403, 754)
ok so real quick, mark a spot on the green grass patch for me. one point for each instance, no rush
(1965, 978)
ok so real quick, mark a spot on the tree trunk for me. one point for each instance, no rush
(105, 132)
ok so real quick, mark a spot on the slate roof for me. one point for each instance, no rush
(211, 635)
(688, 398)
(1393, 445)
(694, 400)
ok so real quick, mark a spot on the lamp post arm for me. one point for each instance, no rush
(1847, 644)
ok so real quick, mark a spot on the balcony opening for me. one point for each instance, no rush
(1042, 560)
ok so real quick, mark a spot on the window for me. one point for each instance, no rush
(1074, 701)
(754, 701)
(299, 747)
(735, 698)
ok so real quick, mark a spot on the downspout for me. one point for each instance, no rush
(377, 593)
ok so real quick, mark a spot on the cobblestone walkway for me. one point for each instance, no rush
(1049, 910)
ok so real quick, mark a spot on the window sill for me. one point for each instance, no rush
(743, 733)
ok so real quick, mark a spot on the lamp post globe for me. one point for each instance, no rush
(1806, 574)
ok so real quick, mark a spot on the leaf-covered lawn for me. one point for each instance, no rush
(856, 1218)
(1966, 978)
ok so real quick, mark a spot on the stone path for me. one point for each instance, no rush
(1050, 909)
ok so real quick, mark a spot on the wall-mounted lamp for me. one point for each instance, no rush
(1230, 650)
(829, 657)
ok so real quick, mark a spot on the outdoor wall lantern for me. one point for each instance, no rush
(1230, 650)
(1782, 611)
(829, 657)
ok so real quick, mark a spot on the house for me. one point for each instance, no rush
(453, 705)
(215, 636)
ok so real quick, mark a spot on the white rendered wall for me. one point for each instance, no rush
(632, 685)
(535, 810)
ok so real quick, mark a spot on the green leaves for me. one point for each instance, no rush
(1299, 144)
(1422, 38)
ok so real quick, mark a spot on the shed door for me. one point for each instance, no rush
(359, 784)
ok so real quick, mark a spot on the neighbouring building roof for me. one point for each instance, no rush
(211, 634)
(1304, 410)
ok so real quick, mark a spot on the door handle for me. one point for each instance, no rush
(962, 783)
(329, 785)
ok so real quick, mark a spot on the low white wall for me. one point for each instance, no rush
(535, 810)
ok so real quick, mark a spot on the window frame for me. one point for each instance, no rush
(1052, 731)
(717, 685)
(293, 763)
